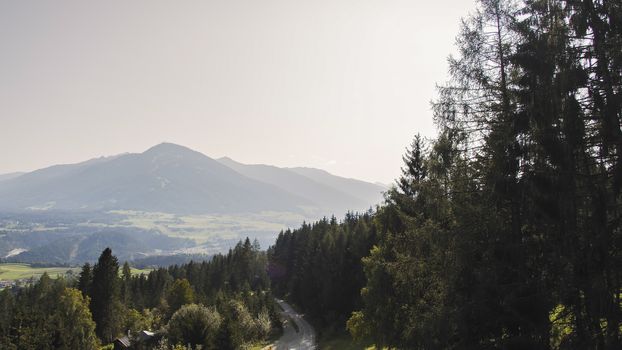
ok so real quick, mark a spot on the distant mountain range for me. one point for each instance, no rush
(174, 179)
(10, 176)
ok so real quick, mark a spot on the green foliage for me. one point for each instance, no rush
(73, 319)
(562, 326)
(46, 315)
(244, 320)
(195, 325)
(263, 325)
(136, 321)
(356, 326)
(7, 308)
(235, 285)
(13, 271)
(180, 293)
(504, 231)
(85, 280)
(318, 267)
(126, 276)
(105, 297)
(345, 342)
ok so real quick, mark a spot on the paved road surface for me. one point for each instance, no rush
(304, 339)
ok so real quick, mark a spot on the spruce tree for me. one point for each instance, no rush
(414, 169)
(126, 277)
(85, 280)
(105, 303)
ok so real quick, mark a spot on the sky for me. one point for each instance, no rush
(341, 85)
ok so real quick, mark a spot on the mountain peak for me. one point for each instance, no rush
(167, 147)
(228, 162)
(170, 178)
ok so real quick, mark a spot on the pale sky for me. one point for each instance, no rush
(341, 85)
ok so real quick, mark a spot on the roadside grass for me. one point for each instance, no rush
(344, 342)
(16, 271)
(276, 333)
(259, 346)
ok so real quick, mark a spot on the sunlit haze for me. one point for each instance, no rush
(340, 85)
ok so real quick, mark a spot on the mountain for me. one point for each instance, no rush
(165, 178)
(10, 176)
(174, 179)
(333, 194)
(372, 193)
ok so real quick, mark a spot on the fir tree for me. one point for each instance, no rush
(105, 303)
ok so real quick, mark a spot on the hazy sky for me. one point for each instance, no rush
(338, 84)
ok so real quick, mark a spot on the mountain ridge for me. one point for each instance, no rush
(176, 179)
(8, 176)
(331, 194)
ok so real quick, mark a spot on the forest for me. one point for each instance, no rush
(318, 267)
(503, 232)
(221, 304)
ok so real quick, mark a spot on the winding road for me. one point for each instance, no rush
(302, 338)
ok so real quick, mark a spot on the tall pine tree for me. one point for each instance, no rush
(105, 303)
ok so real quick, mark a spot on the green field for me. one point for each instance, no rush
(207, 228)
(12, 271)
(136, 271)
(15, 271)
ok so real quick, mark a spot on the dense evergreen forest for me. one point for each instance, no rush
(503, 231)
(221, 304)
(318, 267)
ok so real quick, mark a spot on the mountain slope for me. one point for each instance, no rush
(174, 179)
(333, 194)
(371, 193)
(166, 178)
(9, 176)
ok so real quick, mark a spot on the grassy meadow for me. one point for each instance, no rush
(14, 271)
(209, 228)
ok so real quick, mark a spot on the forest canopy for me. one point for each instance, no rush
(505, 229)
(503, 232)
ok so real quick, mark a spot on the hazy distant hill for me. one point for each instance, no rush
(73, 247)
(166, 178)
(9, 176)
(369, 192)
(334, 194)
(175, 179)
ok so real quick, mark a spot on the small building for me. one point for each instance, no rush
(141, 341)
(122, 343)
(144, 336)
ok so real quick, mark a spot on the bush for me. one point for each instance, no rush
(194, 325)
